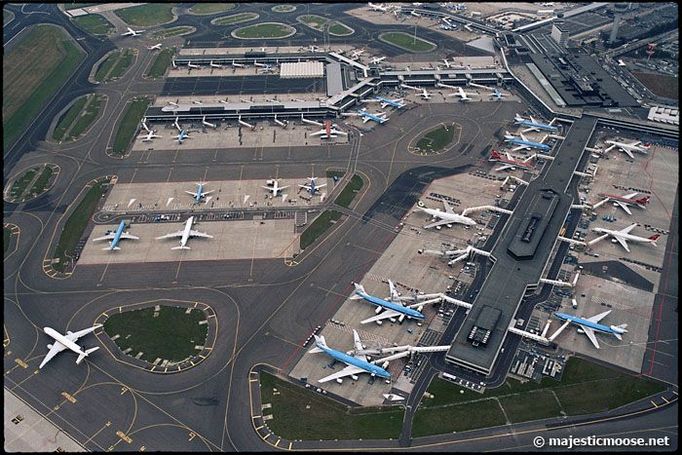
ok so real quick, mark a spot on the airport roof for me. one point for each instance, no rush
(294, 70)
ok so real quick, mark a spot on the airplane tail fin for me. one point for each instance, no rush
(320, 343)
(653, 238)
(643, 200)
(358, 289)
(181, 248)
(85, 354)
(495, 155)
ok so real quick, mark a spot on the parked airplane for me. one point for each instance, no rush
(199, 194)
(312, 187)
(132, 32)
(464, 96)
(150, 133)
(205, 123)
(356, 364)
(329, 131)
(155, 47)
(182, 135)
(379, 117)
(68, 341)
(424, 94)
(377, 60)
(397, 103)
(185, 234)
(447, 63)
(628, 148)
(622, 236)
(393, 308)
(497, 95)
(510, 162)
(524, 143)
(378, 7)
(273, 186)
(534, 125)
(590, 325)
(447, 217)
(623, 201)
(356, 54)
(116, 236)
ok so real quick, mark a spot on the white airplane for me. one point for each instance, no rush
(447, 64)
(68, 341)
(155, 47)
(312, 187)
(590, 325)
(329, 131)
(424, 94)
(628, 148)
(273, 186)
(446, 217)
(622, 236)
(185, 234)
(377, 7)
(376, 60)
(132, 32)
(464, 96)
(205, 123)
(623, 202)
(497, 94)
(415, 14)
(199, 194)
(150, 133)
(356, 54)
(116, 236)
(214, 65)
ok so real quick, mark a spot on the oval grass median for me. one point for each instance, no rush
(78, 117)
(161, 63)
(284, 8)
(94, 24)
(407, 42)
(318, 23)
(147, 15)
(174, 31)
(318, 227)
(206, 9)
(264, 30)
(129, 124)
(31, 183)
(233, 19)
(115, 65)
(433, 142)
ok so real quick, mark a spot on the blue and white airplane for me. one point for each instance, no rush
(534, 125)
(590, 325)
(199, 194)
(524, 143)
(312, 187)
(397, 103)
(379, 117)
(182, 133)
(116, 236)
(497, 94)
(393, 307)
(356, 364)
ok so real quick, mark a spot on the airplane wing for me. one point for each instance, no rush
(204, 193)
(357, 342)
(348, 371)
(622, 242)
(56, 348)
(502, 168)
(74, 336)
(590, 334)
(520, 147)
(438, 223)
(528, 129)
(447, 207)
(194, 233)
(109, 236)
(365, 119)
(523, 137)
(386, 314)
(598, 239)
(631, 195)
(125, 235)
(628, 229)
(395, 297)
(628, 153)
(532, 119)
(317, 133)
(600, 203)
(320, 186)
(191, 192)
(624, 206)
(609, 148)
(635, 143)
(173, 235)
(598, 317)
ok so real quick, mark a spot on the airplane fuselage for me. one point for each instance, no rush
(186, 231)
(453, 217)
(414, 314)
(539, 126)
(584, 322)
(63, 340)
(531, 144)
(350, 360)
(117, 235)
(623, 235)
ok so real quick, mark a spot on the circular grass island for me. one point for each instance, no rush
(206, 9)
(264, 30)
(407, 42)
(284, 8)
(318, 23)
(178, 30)
(434, 142)
(31, 183)
(159, 335)
(235, 19)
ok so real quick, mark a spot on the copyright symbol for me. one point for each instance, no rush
(539, 442)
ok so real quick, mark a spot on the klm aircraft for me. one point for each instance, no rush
(379, 117)
(396, 103)
(534, 125)
(524, 143)
(199, 193)
(116, 236)
(497, 95)
(393, 307)
(312, 188)
(182, 135)
(356, 364)
(590, 325)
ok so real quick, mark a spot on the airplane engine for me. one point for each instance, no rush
(392, 320)
(354, 377)
(378, 310)
(449, 225)
(379, 322)
(339, 380)
(49, 346)
(384, 365)
(401, 318)
(614, 241)
(581, 331)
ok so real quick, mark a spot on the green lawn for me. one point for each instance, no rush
(300, 413)
(313, 21)
(585, 388)
(147, 15)
(265, 30)
(122, 65)
(340, 29)
(68, 6)
(115, 65)
(76, 224)
(68, 118)
(20, 183)
(202, 9)
(42, 181)
(89, 116)
(236, 18)
(284, 8)
(466, 416)
(436, 139)
(172, 31)
(406, 41)
(128, 125)
(94, 24)
(7, 236)
(171, 335)
(52, 59)
(160, 65)
(348, 194)
(318, 227)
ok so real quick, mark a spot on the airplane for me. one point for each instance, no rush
(116, 236)
(379, 117)
(497, 95)
(447, 217)
(329, 131)
(377, 60)
(192, 65)
(590, 325)
(199, 194)
(150, 133)
(447, 63)
(132, 32)
(155, 47)
(415, 14)
(392, 307)
(214, 65)
(68, 341)
(524, 143)
(377, 7)
(628, 148)
(356, 364)
(185, 234)
(509, 161)
(534, 125)
(464, 96)
(424, 94)
(273, 186)
(205, 123)
(623, 201)
(397, 103)
(182, 135)
(622, 236)
(312, 187)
